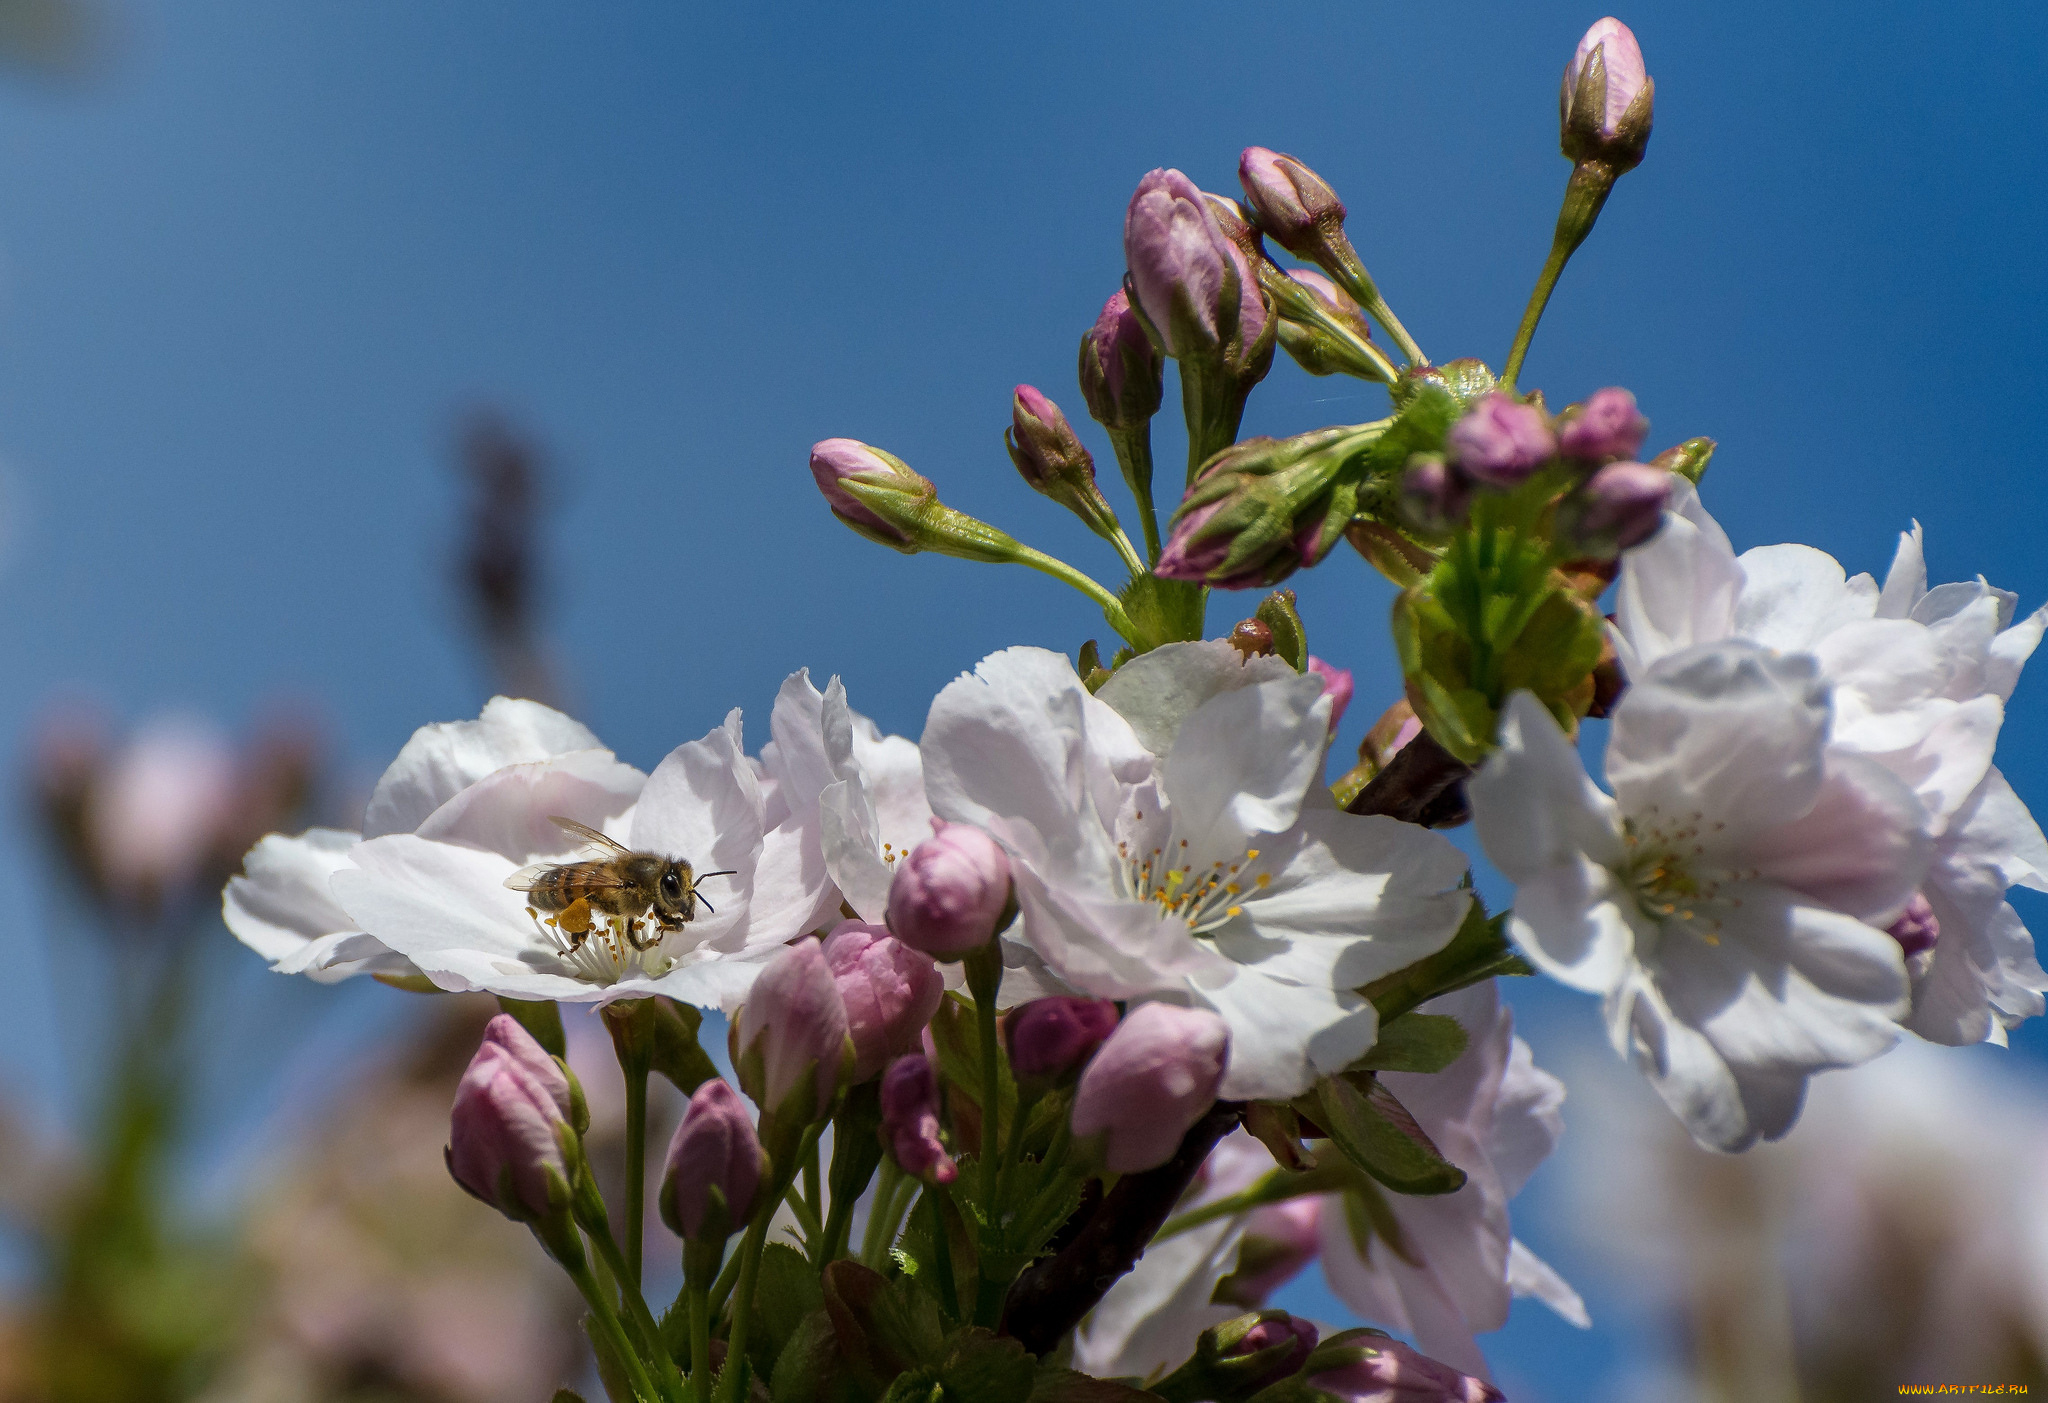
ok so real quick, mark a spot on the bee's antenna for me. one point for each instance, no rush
(707, 903)
(727, 873)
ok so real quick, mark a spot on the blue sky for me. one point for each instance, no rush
(257, 260)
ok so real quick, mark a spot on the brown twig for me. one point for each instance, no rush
(1423, 783)
(1054, 1293)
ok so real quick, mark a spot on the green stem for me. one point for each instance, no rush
(721, 1289)
(880, 1212)
(636, 1171)
(942, 1254)
(743, 1308)
(806, 1219)
(1277, 1186)
(1345, 266)
(984, 969)
(1584, 194)
(1134, 458)
(607, 1317)
(700, 1345)
(1112, 607)
(1129, 552)
(811, 1194)
(642, 1318)
(838, 1228)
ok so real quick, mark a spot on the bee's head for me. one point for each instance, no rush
(675, 898)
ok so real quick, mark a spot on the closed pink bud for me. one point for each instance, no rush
(1619, 506)
(950, 895)
(1181, 264)
(506, 1032)
(1434, 495)
(847, 470)
(890, 992)
(1152, 1080)
(1051, 1038)
(1337, 686)
(1391, 1372)
(1918, 929)
(910, 1120)
(1605, 105)
(1607, 426)
(715, 1167)
(505, 1135)
(793, 1034)
(1120, 367)
(1500, 442)
(1287, 1330)
(1292, 204)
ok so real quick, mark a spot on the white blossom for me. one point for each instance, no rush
(1171, 839)
(1729, 901)
(1920, 679)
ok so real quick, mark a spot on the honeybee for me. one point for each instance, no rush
(625, 889)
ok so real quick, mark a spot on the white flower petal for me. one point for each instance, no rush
(1680, 1063)
(702, 804)
(1533, 804)
(1862, 848)
(282, 901)
(1530, 1275)
(442, 760)
(1528, 1117)
(1575, 924)
(1283, 1036)
(1727, 729)
(1243, 761)
(511, 811)
(1907, 580)
(2010, 651)
(1678, 588)
(851, 839)
(446, 908)
(1794, 596)
(1148, 1321)
(1157, 691)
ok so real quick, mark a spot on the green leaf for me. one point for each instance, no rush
(884, 1328)
(675, 1051)
(566, 1395)
(1066, 1386)
(1480, 950)
(811, 1368)
(1375, 1132)
(1415, 1042)
(917, 1386)
(981, 1367)
(785, 1293)
(1276, 611)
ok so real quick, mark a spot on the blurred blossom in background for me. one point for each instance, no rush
(357, 362)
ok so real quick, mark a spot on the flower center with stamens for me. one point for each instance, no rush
(1204, 895)
(1667, 872)
(605, 954)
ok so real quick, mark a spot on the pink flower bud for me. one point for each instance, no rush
(1120, 368)
(792, 1035)
(1050, 1039)
(508, 1033)
(1605, 427)
(1181, 264)
(1434, 495)
(714, 1148)
(837, 462)
(1152, 1080)
(159, 808)
(910, 1120)
(506, 1130)
(1286, 1330)
(1501, 442)
(1619, 506)
(950, 895)
(1293, 205)
(1391, 1372)
(890, 991)
(1043, 444)
(1336, 301)
(1918, 929)
(1337, 686)
(1604, 107)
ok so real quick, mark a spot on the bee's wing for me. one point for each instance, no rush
(589, 835)
(527, 878)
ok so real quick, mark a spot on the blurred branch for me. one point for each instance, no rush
(499, 569)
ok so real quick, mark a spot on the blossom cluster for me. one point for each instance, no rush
(1117, 1009)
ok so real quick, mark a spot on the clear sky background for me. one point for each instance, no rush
(259, 257)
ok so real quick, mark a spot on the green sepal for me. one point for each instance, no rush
(1480, 950)
(1415, 1042)
(884, 1328)
(1689, 459)
(566, 1395)
(1066, 1386)
(1373, 1130)
(1163, 611)
(1277, 612)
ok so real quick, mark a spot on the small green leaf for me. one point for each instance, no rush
(981, 1367)
(884, 1328)
(1376, 1133)
(1276, 611)
(566, 1395)
(1415, 1042)
(785, 1294)
(1066, 1386)
(811, 1368)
